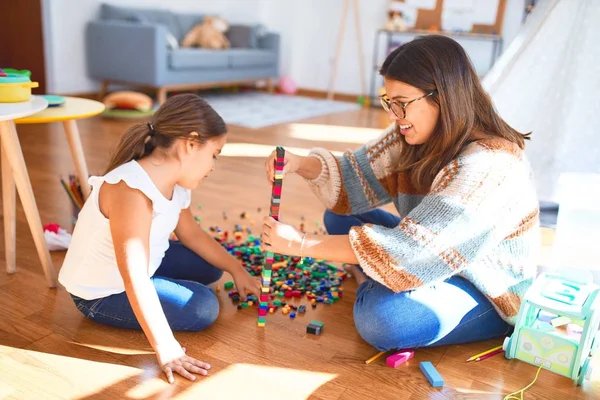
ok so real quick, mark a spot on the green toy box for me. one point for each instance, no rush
(557, 325)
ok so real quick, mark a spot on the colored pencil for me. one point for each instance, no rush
(488, 355)
(375, 357)
(484, 353)
(74, 192)
(68, 190)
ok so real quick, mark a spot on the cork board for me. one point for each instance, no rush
(431, 19)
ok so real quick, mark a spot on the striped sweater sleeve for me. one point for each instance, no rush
(472, 206)
(358, 181)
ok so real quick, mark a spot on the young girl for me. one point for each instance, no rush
(455, 266)
(121, 269)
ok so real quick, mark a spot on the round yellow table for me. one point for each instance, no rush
(73, 109)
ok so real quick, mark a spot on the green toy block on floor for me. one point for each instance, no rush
(228, 285)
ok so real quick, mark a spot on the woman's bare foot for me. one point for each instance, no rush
(356, 273)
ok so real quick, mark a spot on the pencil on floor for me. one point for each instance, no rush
(375, 357)
(484, 353)
(488, 355)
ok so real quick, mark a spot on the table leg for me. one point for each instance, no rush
(74, 140)
(12, 149)
(9, 198)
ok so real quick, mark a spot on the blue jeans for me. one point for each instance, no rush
(444, 313)
(180, 284)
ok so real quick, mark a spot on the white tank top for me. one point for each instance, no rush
(90, 268)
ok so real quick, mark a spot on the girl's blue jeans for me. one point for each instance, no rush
(448, 312)
(180, 284)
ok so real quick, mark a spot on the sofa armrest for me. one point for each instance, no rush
(269, 41)
(126, 52)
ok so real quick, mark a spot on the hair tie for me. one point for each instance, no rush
(151, 133)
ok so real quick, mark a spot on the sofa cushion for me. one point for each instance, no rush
(143, 15)
(243, 58)
(243, 36)
(198, 59)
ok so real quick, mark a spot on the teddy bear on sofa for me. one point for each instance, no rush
(210, 34)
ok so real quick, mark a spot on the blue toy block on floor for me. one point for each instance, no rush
(434, 377)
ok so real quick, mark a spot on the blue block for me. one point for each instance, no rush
(434, 377)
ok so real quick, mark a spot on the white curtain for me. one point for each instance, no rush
(548, 82)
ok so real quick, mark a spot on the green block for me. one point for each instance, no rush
(228, 285)
(277, 303)
(281, 294)
(318, 323)
(267, 273)
(245, 305)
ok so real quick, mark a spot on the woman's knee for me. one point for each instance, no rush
(388, 320)
(337, 224)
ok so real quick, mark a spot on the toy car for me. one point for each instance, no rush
(557, 324)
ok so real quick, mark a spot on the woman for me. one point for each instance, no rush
(455, 266)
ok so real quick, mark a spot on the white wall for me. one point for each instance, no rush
(308, 29)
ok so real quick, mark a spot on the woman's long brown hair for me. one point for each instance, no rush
(436, 62)
(179, 116)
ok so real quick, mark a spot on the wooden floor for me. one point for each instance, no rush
(49, 351)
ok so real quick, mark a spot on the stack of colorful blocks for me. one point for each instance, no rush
(273, 212)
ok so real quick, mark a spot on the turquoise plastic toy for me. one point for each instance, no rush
(557, 325)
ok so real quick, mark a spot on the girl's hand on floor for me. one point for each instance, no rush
(280, 238)
(291, 164)
(184, 365)
(244, 282)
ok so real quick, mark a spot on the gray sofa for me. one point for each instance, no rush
(140, 47)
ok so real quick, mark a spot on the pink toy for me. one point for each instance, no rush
(399, 358)
(287, 85)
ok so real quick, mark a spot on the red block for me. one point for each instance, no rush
(288, 294)
(262, 313)
(296, 294)
(264, 298)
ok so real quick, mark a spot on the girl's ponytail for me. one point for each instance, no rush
(179, 116)
(134, 144)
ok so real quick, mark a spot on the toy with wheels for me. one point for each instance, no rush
(557, 325)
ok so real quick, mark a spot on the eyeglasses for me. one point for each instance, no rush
(398, 107)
